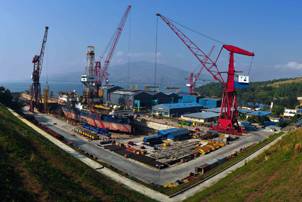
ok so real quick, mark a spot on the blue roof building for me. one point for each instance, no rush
(260, 113)
(210, 102)
(200, 117)
(176, 109)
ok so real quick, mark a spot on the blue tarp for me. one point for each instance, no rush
(175, 131)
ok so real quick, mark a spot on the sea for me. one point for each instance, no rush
(56, 87)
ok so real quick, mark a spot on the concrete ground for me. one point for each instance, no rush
(136, 169)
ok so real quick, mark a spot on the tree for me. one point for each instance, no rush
(277, 109)
(5, 96)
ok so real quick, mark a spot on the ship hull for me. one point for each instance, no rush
(99, 121)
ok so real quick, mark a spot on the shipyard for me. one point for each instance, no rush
(151, 132)
(168, 140)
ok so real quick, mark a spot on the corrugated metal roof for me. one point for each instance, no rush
(210, 99)
(260, 113)
(176, 106)
(202, 115)
(245, 111)
(128, 92)
(215, 110)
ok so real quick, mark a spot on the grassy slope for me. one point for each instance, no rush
(33, 169)
(273, 176)
(287, 81)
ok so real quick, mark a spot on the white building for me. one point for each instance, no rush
(289, 112)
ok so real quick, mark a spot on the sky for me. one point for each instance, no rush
(270, 28)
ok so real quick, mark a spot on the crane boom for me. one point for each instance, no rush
(116, 37)
(42, 51)
(37, 69)
(201, 56)
(228, 117)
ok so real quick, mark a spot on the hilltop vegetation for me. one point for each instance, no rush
(282, 92)
(33, 169)
(275, 175)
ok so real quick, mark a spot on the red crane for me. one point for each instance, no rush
(193, 78)
(35, 89)
(228, 117)
(102, 70)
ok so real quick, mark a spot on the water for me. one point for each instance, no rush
(56, 87)
(53, 87)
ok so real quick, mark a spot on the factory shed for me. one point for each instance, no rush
(209, 102)
(245, 111)
(106, 91)
(131, 99)
(173, 97)
(200, 117)
(187, 98)
(159, 97)
(175, 109)
(215, 110)
(260, 113)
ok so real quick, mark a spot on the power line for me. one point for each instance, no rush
(155, 52)
(198, 32)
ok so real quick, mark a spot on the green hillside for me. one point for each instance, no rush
(282, 92)
(275, 175)
(33, 169)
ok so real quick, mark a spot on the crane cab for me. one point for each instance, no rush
(84, 78)
(242, 81)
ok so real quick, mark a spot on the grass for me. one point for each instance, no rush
(276, 175)
(33, 169)
(287, 81)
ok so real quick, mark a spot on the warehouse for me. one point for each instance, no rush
(175, 109)
(159, 97)
(259, 113)
(131, 99)
(209, 102)
(200, 117)
(106, 91)
(173, 97)
(187, 98)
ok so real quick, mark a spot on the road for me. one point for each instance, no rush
(138, 170)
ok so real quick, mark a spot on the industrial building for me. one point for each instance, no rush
(187, 98)
(200, 117)
(174, 97)
(209, 102)
(291, 112)
(160, 97)
(131, 99)
(176, 109)
(106, 91)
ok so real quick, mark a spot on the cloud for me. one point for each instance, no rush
(291, 65)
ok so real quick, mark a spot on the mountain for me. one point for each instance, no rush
(139, 73)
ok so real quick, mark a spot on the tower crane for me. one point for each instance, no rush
(102, 69)
(35, 89)
(228, 117)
